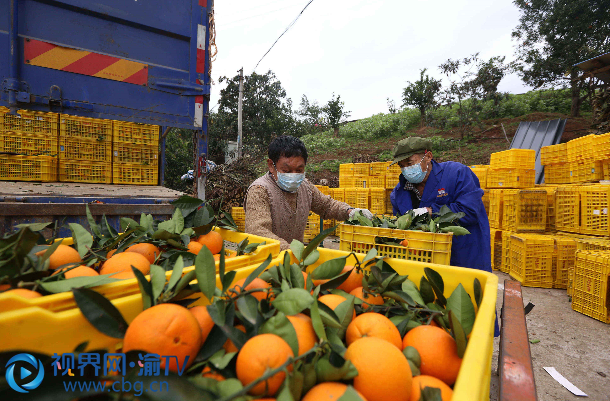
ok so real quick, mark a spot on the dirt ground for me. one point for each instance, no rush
(574, 344)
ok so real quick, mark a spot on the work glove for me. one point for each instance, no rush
(420, 211)
(365, 212)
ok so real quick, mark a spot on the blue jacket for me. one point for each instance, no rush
(456, 186)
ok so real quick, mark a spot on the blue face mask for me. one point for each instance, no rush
(289, 182)
(414, 174)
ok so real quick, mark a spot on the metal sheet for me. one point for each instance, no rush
(515, 362)
(597, 63)
(536, 134)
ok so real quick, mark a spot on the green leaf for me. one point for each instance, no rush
(312, 258)
(248, 306)
(316, 320)
(48, 252)
(228, 387)
(100, 312)
(399, 296)
(76, 282)
(329, 269)
(431, 394)
(35, 227)
(345, 313)
(296, 277)
(297, 249)
(145, 289)
(82, 238)
(425, 289)
(534, 341)
(458, 333)
(371, 254)
(221, 360)
(187, 204)
(460, 304)
(281, 326)
(285, 394)
(326, 371)
(178, 221)
(317, 241)
(293, 301)
(257, 272)
(205, 270)
(456, 230)
(127, 223)
(176, 273)
(436, 281)
(184, 281)
(329, 317)
(350, 394)
(168, 225)
(478, 292)
(410, 288)
(157, 281)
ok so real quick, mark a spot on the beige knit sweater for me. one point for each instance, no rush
(260, 211)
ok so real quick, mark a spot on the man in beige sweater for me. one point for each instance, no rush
(278, 203)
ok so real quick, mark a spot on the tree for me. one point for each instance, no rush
(488, 77)
(267, 112)
(334, 112)
(178, 158)
(554, 35)
(391, 105)
(421, 94)
(311, 115)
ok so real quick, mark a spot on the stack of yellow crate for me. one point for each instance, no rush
(513, 168)
(531, 259)
(583, 166)
(591, 293)
(324, 189)
(554, 158)
(30, 139)
(239, 217)
(481, 172)
(85, 149)
(135, 153)
(312, 228)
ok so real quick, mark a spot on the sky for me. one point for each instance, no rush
(364, 51)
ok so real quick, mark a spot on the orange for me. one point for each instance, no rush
(124, 275)
(383, 371)
(149, 251)
(326, 392)
(4, 287)
(62, 255)
(368, 299)
(110, 253)
(165, 329)
(80, 271)
(212, 240)
(194, 247)
(333, 300)
(208, 372)
(122, 262)
(259, 354)
(306, 335)
(228, 345)
(373, 324)
(354, 280)
(256, 283)
(205, 321)
(24, 293)
(405, 242)
(438, 352)
(422, 381)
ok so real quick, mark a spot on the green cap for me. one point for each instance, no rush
(410, 146)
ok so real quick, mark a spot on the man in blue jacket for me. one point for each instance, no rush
(426, 186)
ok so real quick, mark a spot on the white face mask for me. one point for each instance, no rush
(289, 182)
(414, 174)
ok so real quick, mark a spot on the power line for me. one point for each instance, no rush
(286, 30)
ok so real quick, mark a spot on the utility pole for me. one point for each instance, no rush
(239, 112)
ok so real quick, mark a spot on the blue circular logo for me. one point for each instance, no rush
(30, 377)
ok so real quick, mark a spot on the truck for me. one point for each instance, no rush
(131, 61)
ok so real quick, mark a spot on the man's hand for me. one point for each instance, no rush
(365, 212)
(421, 210)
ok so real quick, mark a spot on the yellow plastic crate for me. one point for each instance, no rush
(553, 154)
(85, 127)
(567, 208)
(85, 171)
(592, 244)
(338, 194)
(514, 159)
(312, 229)
(389, 209)
(580, 148)
(347, 181)
(135, 154)
(378, 199)
(481, 174)
(591, 275)
(351, 195)
(391, 180)
(28, 168)
(524, 210)
(362, 198)
(346, 169)
(84, 149)
(495, 210)
(393, 169)
(134, 174)
(362, 169)
(485, 199)
(29, 122)
(557, 173)
(563, 261)
(423, 247)
(510, 178)
(531, 259)
(28, 144)
(239, 217)
(359, 181)
(496, 248)
(324, 189)
(601, 146)
(377, 181)
(506, 257)
(135, 134)
(550, 206)
(379, 168)
(586, 171)
(595, 203)
(65, 300)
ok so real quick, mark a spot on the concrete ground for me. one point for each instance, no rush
(574, 344)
